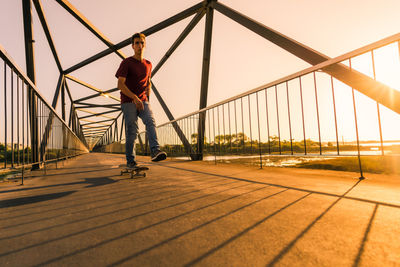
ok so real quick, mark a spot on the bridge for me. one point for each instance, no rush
(217, 200)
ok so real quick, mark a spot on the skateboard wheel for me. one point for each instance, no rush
(144, 174)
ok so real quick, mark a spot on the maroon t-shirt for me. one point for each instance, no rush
(137, 76)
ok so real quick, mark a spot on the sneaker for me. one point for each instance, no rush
(158, 155)
(132, 165)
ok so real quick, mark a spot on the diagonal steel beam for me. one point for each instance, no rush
(97, 122)
(43, 21)
(380, 92)
(89, 105)
(95, 95)
(57, 92)
(92, 87)
(179, 40)
(178, 130)
(162, 25)
(85, 22)
(96, 127)
(97, 114)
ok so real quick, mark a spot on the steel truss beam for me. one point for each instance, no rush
(178, 130)
(179, 40)
(30, 71)
(88, 105)
(95, 95)
(91, 87)
(43, 21)
(97, 122)
(162, 25)
(381, 93)
(96, 114)
(85, 22)
(204, 78)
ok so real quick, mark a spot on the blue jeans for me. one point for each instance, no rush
(131, 128)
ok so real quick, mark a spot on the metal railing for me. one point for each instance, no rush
(31, 132)
(309, 113)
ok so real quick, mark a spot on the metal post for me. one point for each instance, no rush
(277, 119)
(243, 135)
(302, 117)
(356, 124)
(5, 115)
(251, 133)
(316, 104)
(12, 118)
(377, 105)
(236, 138)
(266, 109)
(205, 74)
(259, 133)
(334, 111)
(290, 124)
(30, 71)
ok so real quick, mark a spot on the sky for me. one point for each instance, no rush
(240, 59)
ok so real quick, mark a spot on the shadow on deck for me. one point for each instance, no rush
(196, 213)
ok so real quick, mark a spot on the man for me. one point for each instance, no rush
(134, 83)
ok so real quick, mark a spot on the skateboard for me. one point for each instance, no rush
(137, 171)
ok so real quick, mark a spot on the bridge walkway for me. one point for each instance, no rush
(196, 213)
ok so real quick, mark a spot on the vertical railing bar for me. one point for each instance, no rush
(197, 122)
(203, 131)
(5, 115)
(180, 147)
(377, 105)
(28, 119)
(223, 125)
(243, 141)
(43, 131)
(356, 124)
(302, 116)
(267, 113)
(18, 155)
(219, 132)
(215, 152)
(209, 132)
(23, 123)
(230, 129)
(290, 124)
(316, 104)
(187, 131)
(334, 112)
(259, 133)
(277, 118)
(236, 137)
(251, 134)
(12, 117)
(191, 121)
(23, 131)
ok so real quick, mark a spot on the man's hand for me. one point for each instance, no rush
(121, 86)
(138, 103)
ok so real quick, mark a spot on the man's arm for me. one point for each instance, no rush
(148, 89)
(121, 86)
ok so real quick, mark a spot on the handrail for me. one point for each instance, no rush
(354, 53)
(6, 57)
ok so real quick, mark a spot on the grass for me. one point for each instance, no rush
(371, 164)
